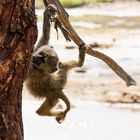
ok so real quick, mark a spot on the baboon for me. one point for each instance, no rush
(47, 76)
(44, 81)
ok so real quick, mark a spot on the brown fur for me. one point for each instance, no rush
(44, 81)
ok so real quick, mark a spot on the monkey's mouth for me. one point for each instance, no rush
(54, 69)
(35, 65)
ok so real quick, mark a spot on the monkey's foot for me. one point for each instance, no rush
(60, 119)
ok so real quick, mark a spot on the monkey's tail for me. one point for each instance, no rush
(113, 65)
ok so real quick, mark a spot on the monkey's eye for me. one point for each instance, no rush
(41, 54)
(52, 59)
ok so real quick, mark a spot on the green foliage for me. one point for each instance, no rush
(75, 3)
(72, 3)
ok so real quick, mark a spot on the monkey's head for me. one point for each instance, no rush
(46, 59)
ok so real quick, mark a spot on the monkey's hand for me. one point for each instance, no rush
(66, 65)
(62, 65)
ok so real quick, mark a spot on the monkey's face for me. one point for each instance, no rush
(46, 59)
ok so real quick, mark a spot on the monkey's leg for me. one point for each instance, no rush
(63, 97)
(46, 108)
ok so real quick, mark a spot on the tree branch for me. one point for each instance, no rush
(63, 17)
(113, 65)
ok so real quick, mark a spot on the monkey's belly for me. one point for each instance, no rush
(42, 91)
(42, 94)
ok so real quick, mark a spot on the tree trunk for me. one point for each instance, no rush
(18, 34)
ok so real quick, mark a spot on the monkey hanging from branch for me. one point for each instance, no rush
(47, 75)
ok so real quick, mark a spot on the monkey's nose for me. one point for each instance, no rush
(54, 69)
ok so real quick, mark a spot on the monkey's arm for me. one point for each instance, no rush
(58, 79)
(67, 65)
(44, 40)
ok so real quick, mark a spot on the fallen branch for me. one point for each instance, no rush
(62, 19)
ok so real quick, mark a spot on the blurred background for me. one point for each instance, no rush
(102, 106)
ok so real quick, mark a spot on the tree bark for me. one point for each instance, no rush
(18, 34)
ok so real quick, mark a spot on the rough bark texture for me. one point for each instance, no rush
(18, 33)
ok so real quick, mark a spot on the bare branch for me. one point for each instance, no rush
(63, 18)
(113, 65)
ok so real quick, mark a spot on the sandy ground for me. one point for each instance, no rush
(98, 95)
(87, 120)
